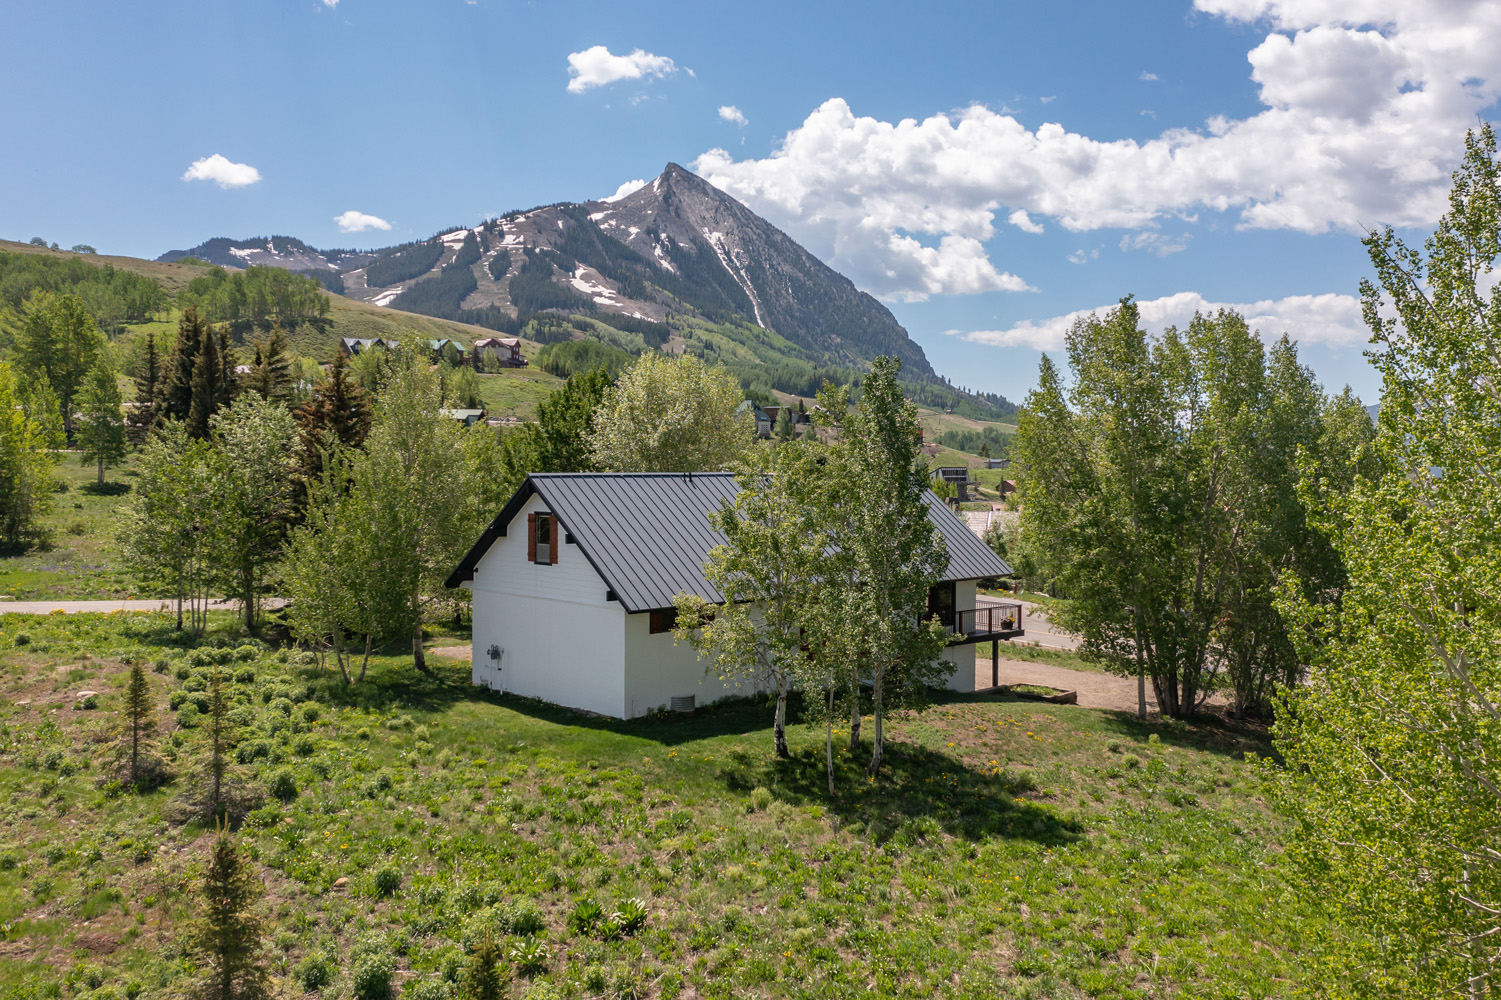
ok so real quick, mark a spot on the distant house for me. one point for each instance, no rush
(997, 463)
(465, 416)
(574, 579)
(800, 421)
(956, 476)
(498, 352)
(448, 350)
(351, 346)
(763, 421)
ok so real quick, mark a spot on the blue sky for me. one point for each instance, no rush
(987, 169)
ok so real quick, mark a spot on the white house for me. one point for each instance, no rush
(574, 581)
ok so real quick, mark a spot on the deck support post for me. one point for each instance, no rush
(995, 663)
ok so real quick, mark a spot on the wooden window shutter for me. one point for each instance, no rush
(531, 537)
(554, 539)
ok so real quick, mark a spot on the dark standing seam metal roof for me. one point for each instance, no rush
(647, 534)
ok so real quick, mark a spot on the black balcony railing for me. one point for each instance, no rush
(992, 621)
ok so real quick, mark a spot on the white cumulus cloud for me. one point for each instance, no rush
(628, 188)
(734, 115)
(1329, 319)
(222, 171)
(1021, 220)
(1365, 103)
(357, 222)
(1148, 76)
(597, 66)
(1155, 242)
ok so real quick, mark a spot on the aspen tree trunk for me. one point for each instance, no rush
(828, 740)
(779, 725)
(419, 655)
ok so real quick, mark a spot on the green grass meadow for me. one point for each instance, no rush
(1009, 848)
(81, 560)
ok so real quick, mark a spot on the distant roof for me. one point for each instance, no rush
(647, 533)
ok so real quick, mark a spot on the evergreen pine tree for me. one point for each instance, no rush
(204, 401)
(338, 415)
(226, 934)
(176, 394)
(218, 769)
(148, 381)
(984, 450)
(139, 724)
(271, 372)
(227, 387)
(482, 978)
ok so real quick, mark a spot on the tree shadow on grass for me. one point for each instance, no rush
(919, 792)
(1206, 732)
(106, 489)
(401, 687)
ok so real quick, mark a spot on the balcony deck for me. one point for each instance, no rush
(987, 623)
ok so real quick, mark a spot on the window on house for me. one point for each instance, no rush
(662, 621)
(542, 533)
(941, 603)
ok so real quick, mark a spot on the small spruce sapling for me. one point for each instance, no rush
(227, 935)
(482, 979)
(139, 725)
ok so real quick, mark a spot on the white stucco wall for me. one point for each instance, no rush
(563, 641)
(656, 670)
(962, 677)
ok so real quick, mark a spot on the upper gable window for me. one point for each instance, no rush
(542, 539)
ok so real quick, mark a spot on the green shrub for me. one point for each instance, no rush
(245, 675)
(162, 666)
(183, 671)
(85, 976)
(530, 955)
(760, 798)
(432, 989)
(252, 750)
(303, 746)
(21, 639)
(379, 783)
(282, 784)
(371, 978)
(176, 699)
(314, 972)
(386, 880)
(246, 653)
(188, 716)
(523, 917)
(282, 706)
(310, 712)
(586, 916)
(630, 915)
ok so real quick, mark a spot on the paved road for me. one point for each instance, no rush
(84, 607)
(1040, 631)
